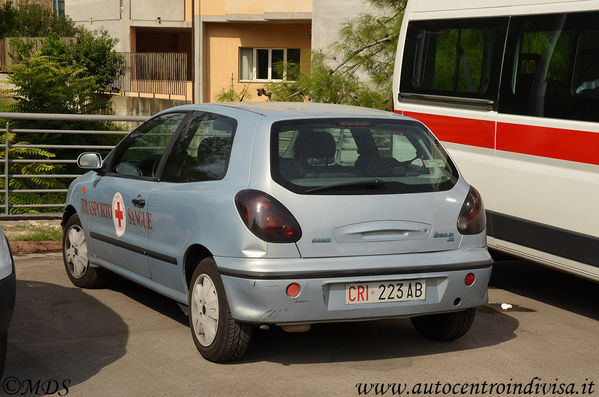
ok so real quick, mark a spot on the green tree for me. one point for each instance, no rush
(33, 20)
(8, 19)
(320, 85)
(45, 85)
(59, 77)
(94, 51)
(368, 43)
(65, 77)
(367, 46)
(232, 95)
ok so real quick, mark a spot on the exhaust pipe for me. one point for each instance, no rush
(297, 328)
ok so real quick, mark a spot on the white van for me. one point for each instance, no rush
(511, 87)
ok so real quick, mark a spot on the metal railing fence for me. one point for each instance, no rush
(23, 149)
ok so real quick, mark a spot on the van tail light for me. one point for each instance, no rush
(266, 217)
(472, 218)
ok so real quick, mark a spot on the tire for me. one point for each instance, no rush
(444, 326)
(76, 259)
(216, 334)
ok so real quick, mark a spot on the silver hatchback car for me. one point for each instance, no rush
(283, 214)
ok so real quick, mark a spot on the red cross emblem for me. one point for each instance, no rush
(118, 214)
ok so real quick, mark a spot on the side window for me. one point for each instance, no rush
(459, 58)
(202, 152)
(347, 150)
(402, 149)
(140, 152)
(458, 61)
(394, 143)
(285, 139)
(552, 67)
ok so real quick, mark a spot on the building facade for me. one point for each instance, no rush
(230, 45)
(242, 44)
(149, 32)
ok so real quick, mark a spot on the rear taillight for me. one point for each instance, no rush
(267, 218)
(472, 219)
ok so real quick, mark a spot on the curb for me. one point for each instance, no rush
(30, 247)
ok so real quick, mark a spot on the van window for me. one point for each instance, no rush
(358, 156)
(460, 57)
(551, 67)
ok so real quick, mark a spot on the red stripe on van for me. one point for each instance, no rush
(459, 130)
(556, 143)
(561, 144)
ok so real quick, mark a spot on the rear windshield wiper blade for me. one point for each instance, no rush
(373, 184)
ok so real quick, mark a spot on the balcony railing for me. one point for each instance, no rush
(155, 74)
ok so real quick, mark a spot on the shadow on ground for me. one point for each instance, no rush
(148, 298)
(373, 340)
(339, 342)
(60, 334)
(547, 285)
(342, 342)
(63, 333)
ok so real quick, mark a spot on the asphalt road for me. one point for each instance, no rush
(128, 341)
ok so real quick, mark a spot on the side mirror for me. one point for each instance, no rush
(89, 161)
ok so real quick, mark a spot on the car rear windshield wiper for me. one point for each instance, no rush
(373, 184)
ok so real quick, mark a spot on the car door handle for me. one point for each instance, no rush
(139, 202)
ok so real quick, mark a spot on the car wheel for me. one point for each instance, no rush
(75, 256)
(216, 334)
(444, 326)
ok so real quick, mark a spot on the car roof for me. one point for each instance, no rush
(293, 110)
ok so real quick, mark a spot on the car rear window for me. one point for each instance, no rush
(358, 156)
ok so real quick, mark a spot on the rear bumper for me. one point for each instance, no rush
(255, 288)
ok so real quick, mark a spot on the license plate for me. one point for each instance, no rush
(385, 291)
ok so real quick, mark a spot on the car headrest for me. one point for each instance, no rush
(314, 145)
(365, 142)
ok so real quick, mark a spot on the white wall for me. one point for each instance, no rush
(118, 16)
(328, 17)
(105, 14)
(150, 10)
(99, 10)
